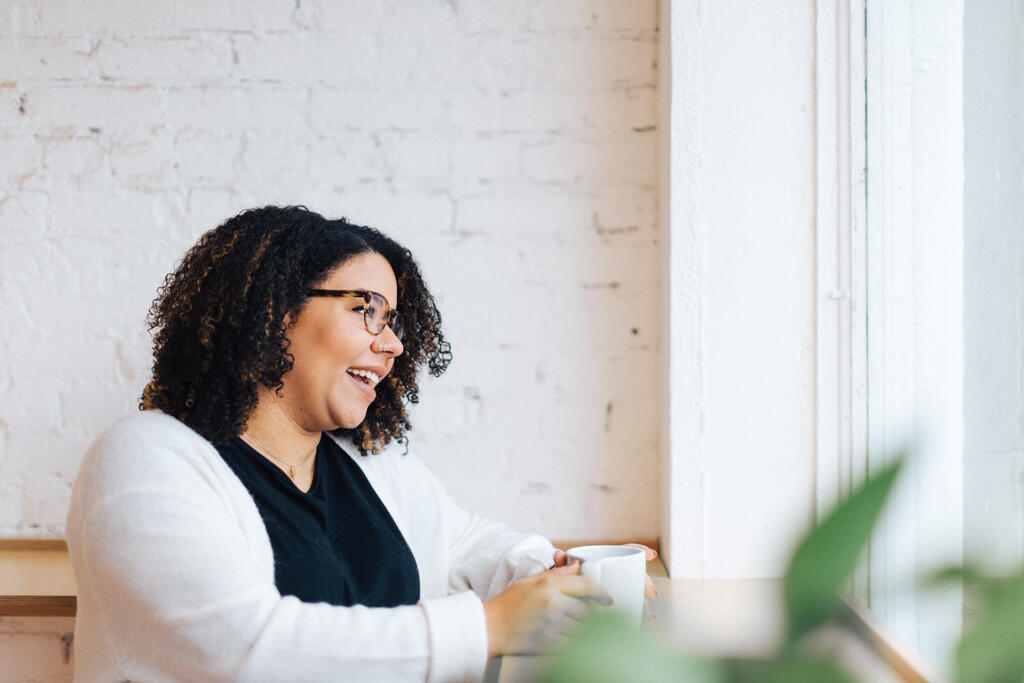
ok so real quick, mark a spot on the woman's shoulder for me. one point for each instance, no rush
(142, 423)
(146, 445)
(149, 429)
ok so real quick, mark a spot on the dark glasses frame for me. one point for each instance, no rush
(389, 318)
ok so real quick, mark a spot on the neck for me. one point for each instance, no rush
(271, 428)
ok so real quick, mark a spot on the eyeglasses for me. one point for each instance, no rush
(377, 313)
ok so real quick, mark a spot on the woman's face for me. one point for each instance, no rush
(329, 341)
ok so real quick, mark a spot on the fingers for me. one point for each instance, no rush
(549, 629)
(583, 587)
(561, 558)
(560, 623)
(570, 568)
(576, 609)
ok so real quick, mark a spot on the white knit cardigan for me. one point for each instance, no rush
(175, 573)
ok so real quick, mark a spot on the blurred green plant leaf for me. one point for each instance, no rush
(953, 574)
(607, 650)
(828, 555)
(785, 670)
(992, 590)
(992, 651)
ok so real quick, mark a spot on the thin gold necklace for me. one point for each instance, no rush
(291, 468)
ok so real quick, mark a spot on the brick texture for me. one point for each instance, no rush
(515, 139)
(512, 145)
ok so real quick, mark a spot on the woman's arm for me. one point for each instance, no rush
(484, 556)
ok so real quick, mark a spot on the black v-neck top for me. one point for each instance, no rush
(336, 543)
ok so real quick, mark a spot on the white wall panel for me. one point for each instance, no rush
(994, 283)
(738, 216)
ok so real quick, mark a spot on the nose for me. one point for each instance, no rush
(388, 342)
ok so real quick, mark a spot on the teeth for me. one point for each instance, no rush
(374, 379)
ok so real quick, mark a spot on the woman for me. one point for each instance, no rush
(259, 518)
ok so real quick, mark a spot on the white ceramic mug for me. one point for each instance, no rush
(621, 570)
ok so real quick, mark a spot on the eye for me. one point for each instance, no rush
(371, 310)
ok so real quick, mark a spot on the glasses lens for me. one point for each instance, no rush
(379, 315)
(373, 312)
(397, 324)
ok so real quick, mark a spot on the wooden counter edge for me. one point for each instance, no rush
(48, 545)
(38, 606)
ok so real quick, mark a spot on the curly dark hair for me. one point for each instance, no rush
(220, 321)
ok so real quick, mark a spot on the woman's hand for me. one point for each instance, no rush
(537, 611)
(561, 558)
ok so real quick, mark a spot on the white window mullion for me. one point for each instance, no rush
(915, 309)
(841, 420)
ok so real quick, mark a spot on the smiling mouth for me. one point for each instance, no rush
(364, 386)
(367, 377)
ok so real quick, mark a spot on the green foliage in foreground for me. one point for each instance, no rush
(828, 555)
(606, 650)
(991, 651)
(785, 669)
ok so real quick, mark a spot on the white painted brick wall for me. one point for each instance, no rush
(510, 144)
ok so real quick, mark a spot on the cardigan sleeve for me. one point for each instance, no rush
(484, 555)
(179, 594)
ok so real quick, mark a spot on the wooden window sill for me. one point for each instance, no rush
(36, 578)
